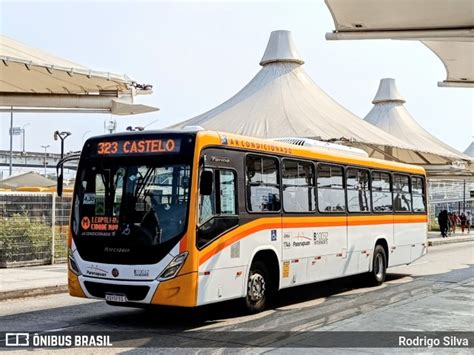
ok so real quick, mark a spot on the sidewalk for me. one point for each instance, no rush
(32, 281)
(49, 279)
(434, 238)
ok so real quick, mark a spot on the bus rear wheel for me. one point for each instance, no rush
(379, 267)
(258, 288)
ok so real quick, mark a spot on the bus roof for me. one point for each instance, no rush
(291, 150)
(214, 138)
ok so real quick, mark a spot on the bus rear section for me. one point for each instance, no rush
(278, 218)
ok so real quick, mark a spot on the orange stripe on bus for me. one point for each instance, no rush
(232, 239)
(183, 244)
(302, 222)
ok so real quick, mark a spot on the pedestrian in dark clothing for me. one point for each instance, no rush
(443, 223)
(463, 222)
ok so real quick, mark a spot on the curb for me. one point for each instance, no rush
(33, 292)
(449, 240)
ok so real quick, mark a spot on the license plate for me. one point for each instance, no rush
(113, 297)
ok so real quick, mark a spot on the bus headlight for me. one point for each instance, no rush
(173, 267)
(73, 265)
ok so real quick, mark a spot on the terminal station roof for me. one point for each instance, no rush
(32, 77)
(390, 114)
(283, 101)
(26, 179)
(444, 26)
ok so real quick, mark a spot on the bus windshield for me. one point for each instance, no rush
(130, 205)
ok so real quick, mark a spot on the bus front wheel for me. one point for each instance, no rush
(379, 267)
(258, 288)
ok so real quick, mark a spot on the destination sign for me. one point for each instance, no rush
(137, 147)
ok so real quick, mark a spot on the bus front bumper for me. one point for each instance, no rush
(179, 291)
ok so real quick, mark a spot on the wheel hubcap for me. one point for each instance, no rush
(256, 287)
(379, 267)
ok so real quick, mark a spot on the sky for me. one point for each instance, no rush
(198, 54)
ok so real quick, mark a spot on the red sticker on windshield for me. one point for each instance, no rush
(85, 223)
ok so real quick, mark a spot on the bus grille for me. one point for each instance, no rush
(133, 293)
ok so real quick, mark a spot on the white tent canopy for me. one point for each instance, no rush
(283, 101)
(470, 150)
(390, 115)
(33, 79)
(444, 26)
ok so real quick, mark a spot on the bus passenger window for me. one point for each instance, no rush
(381, 192)
(358, 190)
(418, 192)
(401, 193)
(263, 189)
(298, 186)
(331, 197)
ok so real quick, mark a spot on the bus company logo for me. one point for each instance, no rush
(300, 240)
(85, 223)
(141, 272)
(94, 270)
(215, 159)
(320, 238)
(115, 272)
(274, 235)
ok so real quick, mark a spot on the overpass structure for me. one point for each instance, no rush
(32, 160)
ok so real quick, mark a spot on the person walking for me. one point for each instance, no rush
(449, 224)
(454, 222)
(443, 223)
(463, 220)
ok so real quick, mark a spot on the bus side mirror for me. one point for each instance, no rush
(59, 186)
(205, 182)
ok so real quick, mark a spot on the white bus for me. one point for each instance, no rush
(192, 218)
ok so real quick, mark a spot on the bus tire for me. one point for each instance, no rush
(379, 267)
(258, 288)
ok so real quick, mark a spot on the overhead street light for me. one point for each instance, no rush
(62, 136)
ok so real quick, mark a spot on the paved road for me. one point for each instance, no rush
(433, 294)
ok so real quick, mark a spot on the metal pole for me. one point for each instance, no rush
(45, 154)
(11, 142)
(53, 226)
(23, 131)
(464, 197)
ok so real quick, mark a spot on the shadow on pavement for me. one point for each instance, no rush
(181, 319)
